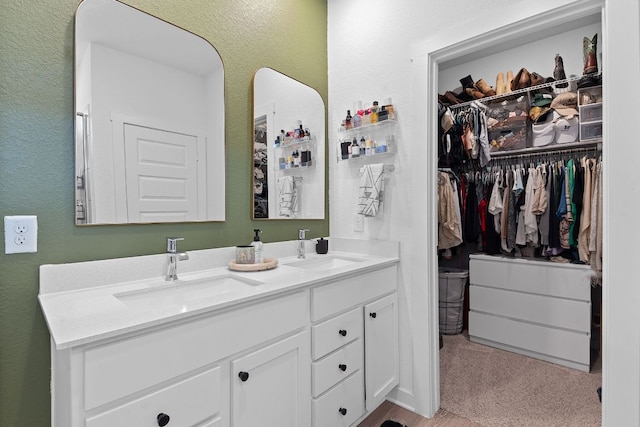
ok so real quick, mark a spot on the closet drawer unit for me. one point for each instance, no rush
(337, 366)
(555, 312)
(327, 300)
(186, 403)
(538, 277)
(119, 369)
(336, 332)
(554, 345)
(342, 405)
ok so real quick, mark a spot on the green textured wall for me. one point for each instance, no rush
(36, 156)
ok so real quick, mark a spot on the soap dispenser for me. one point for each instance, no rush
(322, 246)
(257, 245)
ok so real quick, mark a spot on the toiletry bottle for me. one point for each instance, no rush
(356, 121)
(374, 112)
(363, 145)
(301, 131)
(347, 120)
(257, 245)
(355, 148)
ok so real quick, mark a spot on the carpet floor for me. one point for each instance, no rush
(493, 387)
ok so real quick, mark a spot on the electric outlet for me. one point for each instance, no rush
(358, 222)
(20, 234)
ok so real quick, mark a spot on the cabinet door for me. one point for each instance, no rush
(272, 386)
(381, 349)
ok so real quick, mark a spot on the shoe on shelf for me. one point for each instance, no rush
(474, 92)
(484, 87)
(466, 82)
(507, 87)
(452, 98)
(500, 85)
(589, 51)
(537, 79)
(558, 71)
(522, 80)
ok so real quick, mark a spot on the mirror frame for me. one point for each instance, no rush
(320, 143)
(209, 135)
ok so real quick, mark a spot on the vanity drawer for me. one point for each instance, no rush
(329, 371)
(336, 332)
(187, 403)
(341, 406)
(341, 295)
(120, 368)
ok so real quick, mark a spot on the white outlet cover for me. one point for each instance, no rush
(20, 234)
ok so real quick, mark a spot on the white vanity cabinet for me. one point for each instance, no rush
(181, 375)
(354, 346)
(287, 347)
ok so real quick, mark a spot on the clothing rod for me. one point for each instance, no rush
(549, 151)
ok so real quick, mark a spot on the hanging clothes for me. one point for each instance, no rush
(449, 231)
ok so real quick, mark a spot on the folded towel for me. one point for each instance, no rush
(371, 190)
(288, 196)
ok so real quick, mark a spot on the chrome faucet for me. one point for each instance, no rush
(173, 258)
(302, 239)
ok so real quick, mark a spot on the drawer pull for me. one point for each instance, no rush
(243, 376)
(343, 411)
(342, 367)
(343, 332)
(373, 315)
(163, 419)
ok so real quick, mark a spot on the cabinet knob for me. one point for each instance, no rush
(243, 376)
(343, 332)
(343, 411)
(163, 419)
(373, 315)
(342, 367)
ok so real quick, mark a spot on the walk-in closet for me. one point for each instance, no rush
(520, 227)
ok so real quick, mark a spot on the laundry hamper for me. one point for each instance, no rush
(452, 283)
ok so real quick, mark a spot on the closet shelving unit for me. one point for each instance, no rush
(593, 141)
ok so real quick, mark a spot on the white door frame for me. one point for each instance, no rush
(426, 58)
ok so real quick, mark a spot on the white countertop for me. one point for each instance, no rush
(77, 314)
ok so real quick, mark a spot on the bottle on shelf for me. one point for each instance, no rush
(374, 112)
(347, 120)
(355, 148)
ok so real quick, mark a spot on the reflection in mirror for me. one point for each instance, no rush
(289, 148)
(149, 100)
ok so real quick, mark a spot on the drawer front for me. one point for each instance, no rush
(537, 277)
(327, 300)
(558, 343)
(118, 369)
(187, 403)
(341, 406)
(336, 332)
(337, 366)
(550, 311)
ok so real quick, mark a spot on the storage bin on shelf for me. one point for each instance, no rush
(590, 109)
(508, 124)
(451, 286)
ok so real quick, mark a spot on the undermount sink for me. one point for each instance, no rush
(185, 294)
(325, 262)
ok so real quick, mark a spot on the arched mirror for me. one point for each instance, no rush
(149, 102)
(288, 148)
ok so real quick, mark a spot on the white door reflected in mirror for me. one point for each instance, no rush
(149, 100)
(289, 148)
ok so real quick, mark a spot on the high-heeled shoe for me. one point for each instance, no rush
(522, 80)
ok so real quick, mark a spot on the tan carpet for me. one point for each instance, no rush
(498, 388)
